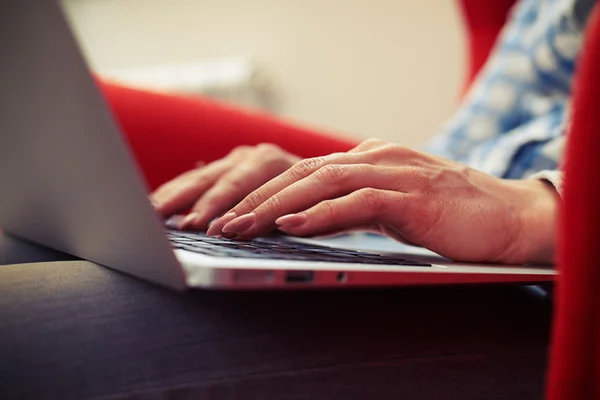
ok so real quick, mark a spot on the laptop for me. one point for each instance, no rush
(69, 182)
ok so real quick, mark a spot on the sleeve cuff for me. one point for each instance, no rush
(555, 178)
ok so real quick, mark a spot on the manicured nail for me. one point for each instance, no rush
(291, 220)
(215, 228)
(188, 220)
(240, 224)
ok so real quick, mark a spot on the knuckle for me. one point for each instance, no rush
(198, 180)
(253, 200)
(393, 149)
(191, 174)
(371, 199)
(274, 204)
(268, 148)
(330, 208)
(306, 166)
(240, 150)
(369, 144)
(393, 152)
(270, 156)
(332, 173)
(373, 141)
(235, 184)
(398, 148)
(275, 164)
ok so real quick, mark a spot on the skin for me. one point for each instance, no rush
(411, 196)
(210, 190)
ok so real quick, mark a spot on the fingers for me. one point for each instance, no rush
(368, 153)
(331, 181)
(230, 189)
(298, 171)
(363, 207)
(180, 193)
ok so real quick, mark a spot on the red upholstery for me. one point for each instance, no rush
(575, 356)
(169, 134)
(483, 20)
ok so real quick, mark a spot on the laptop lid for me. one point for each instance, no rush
(67, 179)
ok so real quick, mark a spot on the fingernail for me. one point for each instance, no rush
(217, 225)
(188, 220)
(240, 224)
(154, 203)
(291, 220)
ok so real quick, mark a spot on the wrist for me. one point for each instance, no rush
(538, 209)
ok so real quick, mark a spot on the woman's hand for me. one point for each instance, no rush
(214, 188)
(444, 206)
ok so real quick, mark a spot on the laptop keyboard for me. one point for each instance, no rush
(278, 249)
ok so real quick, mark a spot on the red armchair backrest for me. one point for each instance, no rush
(483, 21)
(574, 372)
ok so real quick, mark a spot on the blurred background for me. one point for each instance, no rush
(391, 69)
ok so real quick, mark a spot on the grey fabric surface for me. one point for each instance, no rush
(72, 330)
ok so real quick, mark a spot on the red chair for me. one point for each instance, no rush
(574, 372)
(483, 20)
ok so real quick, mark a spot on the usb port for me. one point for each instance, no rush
(299, 276)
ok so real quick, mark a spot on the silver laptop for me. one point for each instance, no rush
(69, 182)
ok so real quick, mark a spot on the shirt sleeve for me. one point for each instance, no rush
(555, 178)
(511, 121)
(581, 12)
(487, 108)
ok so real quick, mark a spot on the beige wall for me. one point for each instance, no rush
(385, 68)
